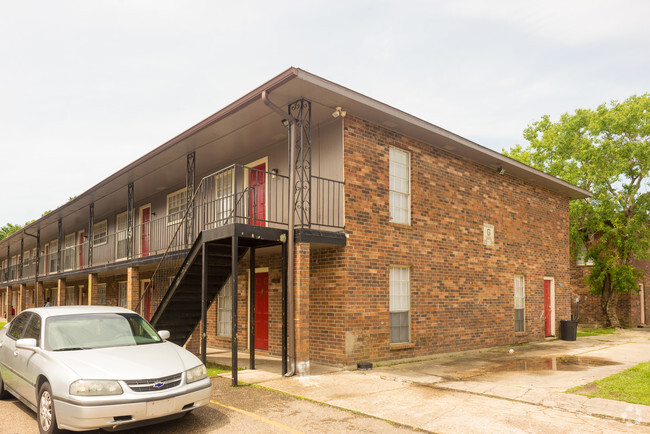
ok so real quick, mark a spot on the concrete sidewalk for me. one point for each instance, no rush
(491, 390)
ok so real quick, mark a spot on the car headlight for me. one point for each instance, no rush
(196, 374)
(95, 388)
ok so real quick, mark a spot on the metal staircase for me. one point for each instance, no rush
(180, 309)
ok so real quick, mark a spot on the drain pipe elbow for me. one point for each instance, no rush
(290, 239)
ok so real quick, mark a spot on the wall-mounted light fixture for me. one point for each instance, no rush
(153, 214)
(501, 171)
(285, 122)
(339, 112)
(274, 172)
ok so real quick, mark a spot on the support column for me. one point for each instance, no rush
(91, 233)
(7, 303)
(92, 289)
(40, 294)
(235, 292)
(251, 324)
(21, 299)
(132, 287)
(130, 207)
(60, 292)
(301, 297)
(189, 192)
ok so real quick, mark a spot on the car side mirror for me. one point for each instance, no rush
(164, 334)
(27, 344)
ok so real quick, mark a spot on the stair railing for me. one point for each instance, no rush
(172, 259)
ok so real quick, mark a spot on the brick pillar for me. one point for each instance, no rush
(40, 295)
(301, 298)
(7, 303)
(132, 287)
(60, 296)
(92, 289)
(21, 299)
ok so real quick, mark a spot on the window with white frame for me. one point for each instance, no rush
(69, 252)
(520, 304)
(54, 256)
(121, 236)
(224, 311)
(69, 296)
(27, 257)
(175, 206)
(100, 233)
(224, 196)
(122, 293)
(101, 293)
(582, 254)
(400, 305)
(400, 188)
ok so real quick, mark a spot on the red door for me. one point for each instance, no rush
(82, 245)
(256, 180)
(548, 331)
(262, 311)
(146, 232)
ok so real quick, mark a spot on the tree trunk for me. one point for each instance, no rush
(611, 309)
(605, 295)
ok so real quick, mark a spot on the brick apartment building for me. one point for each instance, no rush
(632, 309)
(371, 235)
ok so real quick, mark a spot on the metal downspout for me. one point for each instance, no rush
(290, 238)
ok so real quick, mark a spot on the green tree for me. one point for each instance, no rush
(9, 229)
(606, 151)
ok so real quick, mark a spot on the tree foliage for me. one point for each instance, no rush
(9, 229)
(605, 151)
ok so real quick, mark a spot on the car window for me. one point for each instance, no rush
(18, 325)
(33, 329)
(101, 330)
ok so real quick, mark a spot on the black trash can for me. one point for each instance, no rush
(568, 330)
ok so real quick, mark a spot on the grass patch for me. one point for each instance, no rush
(215, 369)
(2, 324)
(594, 332)
(631, 385)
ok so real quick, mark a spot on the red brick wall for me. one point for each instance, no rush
(628, 307)
(462, 292)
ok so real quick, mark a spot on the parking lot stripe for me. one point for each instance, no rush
(258, 417)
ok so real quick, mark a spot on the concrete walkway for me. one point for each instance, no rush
(491, 390)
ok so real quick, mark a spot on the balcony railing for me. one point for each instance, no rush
(235, 194)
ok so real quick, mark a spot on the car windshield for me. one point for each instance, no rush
(97, 330)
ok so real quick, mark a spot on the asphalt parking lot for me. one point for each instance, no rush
(490, 390)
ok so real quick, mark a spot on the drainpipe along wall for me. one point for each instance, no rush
(290, 239)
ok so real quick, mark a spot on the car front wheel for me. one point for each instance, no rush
(46, 416)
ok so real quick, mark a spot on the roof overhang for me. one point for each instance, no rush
(242, 120)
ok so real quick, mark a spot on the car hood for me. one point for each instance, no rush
(128, 363)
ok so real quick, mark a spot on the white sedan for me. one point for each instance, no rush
(89, 367)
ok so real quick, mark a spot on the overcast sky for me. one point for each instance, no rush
(86, 87)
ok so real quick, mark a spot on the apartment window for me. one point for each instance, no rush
(27, 256)
(54, 256)
(224, 313)
(69, 295)
(400, 304)
(101, 293)
(121, 235)
(520, 304)
(122, 293)
(400, 189)
(224, 196)
(69, 253)
(582, 254)
(100, 233)
(175, 206)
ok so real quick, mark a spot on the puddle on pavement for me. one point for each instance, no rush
(557, 363)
